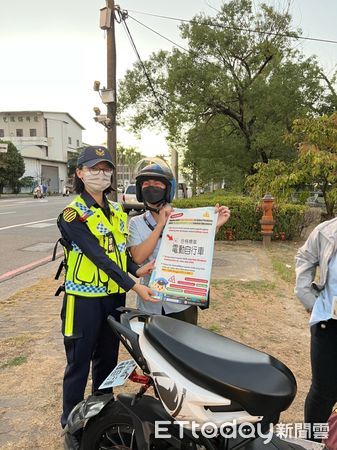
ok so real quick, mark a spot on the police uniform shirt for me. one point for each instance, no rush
(79, 233)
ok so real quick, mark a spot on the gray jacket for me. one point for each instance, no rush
(316, 251)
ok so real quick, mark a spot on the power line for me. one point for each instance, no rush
(192, 52)
(142, 64)
(219, 25)
(159, 34)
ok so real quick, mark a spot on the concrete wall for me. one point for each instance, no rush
(64, 134)
(10, 122)
(45, 154)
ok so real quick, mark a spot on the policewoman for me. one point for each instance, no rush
(94, 232)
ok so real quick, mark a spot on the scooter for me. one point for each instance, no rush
(37, 193)
(210, 393)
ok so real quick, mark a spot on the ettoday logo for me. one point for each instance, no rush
(245, 430)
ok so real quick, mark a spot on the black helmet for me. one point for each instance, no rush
(155, 170)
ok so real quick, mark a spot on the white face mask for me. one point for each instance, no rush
(96, 183)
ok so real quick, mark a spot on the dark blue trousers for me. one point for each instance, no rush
(92, 342)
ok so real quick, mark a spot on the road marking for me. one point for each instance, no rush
(9, 212)
(27, 223)
(40, 225)
(28, 202)
(13, 273)
(13, 203)
(40, 247)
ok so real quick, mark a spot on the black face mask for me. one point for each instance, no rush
(153, 195)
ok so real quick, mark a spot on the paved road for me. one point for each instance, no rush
(28, 230)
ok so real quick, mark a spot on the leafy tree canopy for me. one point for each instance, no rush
(129, 156)
(12, 167)
(315, 139)
(235, 92)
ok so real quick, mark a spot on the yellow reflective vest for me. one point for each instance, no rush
(83, 277)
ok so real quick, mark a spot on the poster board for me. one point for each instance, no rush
(184, 262)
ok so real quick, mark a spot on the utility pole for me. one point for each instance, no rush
(111, 86)
(108, 94)
(175, 168)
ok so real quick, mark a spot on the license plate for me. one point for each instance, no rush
(119, 375)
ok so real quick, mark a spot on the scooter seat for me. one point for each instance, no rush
(258, 382)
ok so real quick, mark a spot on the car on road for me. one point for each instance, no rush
(129, 200)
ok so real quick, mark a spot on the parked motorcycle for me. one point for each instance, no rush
(203, 383)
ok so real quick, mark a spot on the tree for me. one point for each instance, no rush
(72, 164)
(27, 182)
(214, 156)
(12, 167)
(316, 141)
(269, 179)
(128, 156)
(240, 73)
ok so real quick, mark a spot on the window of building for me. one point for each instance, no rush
(20, 119)
(78, 143)
(12, 119)
(69, 140)
(36, 119)
(19, 132)
(28, 118)
(32, 132)
(2, 132)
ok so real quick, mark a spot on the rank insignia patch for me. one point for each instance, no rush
(99, 152)
(69, 214)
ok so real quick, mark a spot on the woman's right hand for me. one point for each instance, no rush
(144, 292)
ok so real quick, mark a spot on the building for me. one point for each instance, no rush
(46, 140)
(126, 166)
(124, 172)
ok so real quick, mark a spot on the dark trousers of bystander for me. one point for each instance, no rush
(322, 395)
(92, 342)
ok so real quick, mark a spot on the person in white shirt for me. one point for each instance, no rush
(319, 298)
(155, 186)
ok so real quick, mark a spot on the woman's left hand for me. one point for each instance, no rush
(224, 214)
(147, 269)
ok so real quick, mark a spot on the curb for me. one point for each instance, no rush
(26, 268)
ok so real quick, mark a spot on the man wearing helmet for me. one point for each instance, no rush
(155, 187)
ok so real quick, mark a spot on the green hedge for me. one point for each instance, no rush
(246, 214)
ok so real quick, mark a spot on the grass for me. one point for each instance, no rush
(16, 361)
(215, 328)
(14, 351)
(20, 340)
(251, 286)
(284, 269)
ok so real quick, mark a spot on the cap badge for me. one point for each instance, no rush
(99, 152)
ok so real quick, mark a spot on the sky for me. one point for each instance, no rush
(52, 51)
